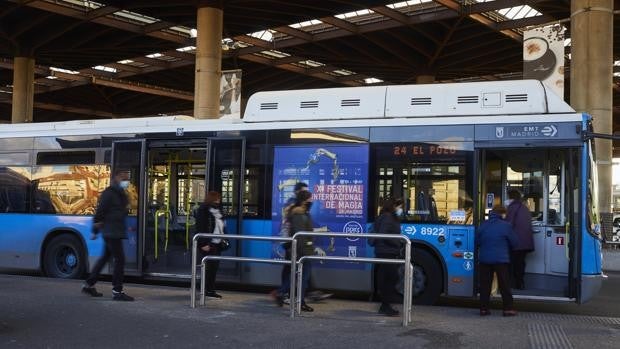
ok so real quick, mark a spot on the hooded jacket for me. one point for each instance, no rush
(521, 220)
(301, 221)
(112, 212)
(495, 239)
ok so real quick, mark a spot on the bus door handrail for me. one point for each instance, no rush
(406, 261)
(239, 259)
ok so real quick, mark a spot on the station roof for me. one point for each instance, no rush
(112, 58)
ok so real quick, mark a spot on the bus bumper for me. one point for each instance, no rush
(590, 286)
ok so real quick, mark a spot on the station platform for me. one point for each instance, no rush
(37, 312)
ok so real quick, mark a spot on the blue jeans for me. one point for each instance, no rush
(286, 280)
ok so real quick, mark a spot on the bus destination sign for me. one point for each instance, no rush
(526, 131)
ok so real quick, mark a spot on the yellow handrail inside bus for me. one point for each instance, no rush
(169, 168)
(157, 214)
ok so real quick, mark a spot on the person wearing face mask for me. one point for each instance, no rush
(495, 239)
(519, 217)
(388, 222)
(299, 217)
(109, 219)
(209, 220)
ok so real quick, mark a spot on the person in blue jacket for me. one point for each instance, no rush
(495, 239)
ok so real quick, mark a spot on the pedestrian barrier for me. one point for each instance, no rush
(407, 301)
(239, 259)
(297, 268)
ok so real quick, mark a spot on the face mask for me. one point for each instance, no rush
(124, 184)
(399, 211)
(508, 202)
(308, 205)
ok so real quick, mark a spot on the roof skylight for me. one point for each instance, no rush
(305, 24)
(372, 81)
(187, 48)
(67, 71)
(106, 69)
(266, 35)
(354, 14)
(407, 3)
(519, 12)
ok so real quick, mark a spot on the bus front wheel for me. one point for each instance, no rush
(64, 257)
(427, 280)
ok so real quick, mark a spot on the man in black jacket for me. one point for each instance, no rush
(110, 221)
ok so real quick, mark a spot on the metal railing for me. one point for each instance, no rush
(296, 278)
(239, 259)
(406, 261)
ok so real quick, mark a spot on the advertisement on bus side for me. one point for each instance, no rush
(337, 176)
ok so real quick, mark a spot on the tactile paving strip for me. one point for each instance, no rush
(547, 336)
(595, 320)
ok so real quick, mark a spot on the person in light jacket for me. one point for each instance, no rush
(495, 238)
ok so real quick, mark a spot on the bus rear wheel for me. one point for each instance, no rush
(64, 258)
(427, 280)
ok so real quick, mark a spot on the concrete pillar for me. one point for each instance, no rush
(23, 89)
(425, 79)
(208, 62)
(591, 79)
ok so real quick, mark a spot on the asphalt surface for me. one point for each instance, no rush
(37, 312)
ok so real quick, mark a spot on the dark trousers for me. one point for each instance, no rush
(212, 267)
(285, 287)
(387, 278)
(517, 259)
(112, 248)
(285, 277)
(486, 278)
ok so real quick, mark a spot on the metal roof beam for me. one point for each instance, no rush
(104, 20)
(524, 22)
(69, 109)
(102, 12)
(457, 7)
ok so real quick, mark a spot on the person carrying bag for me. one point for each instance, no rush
(209, 220)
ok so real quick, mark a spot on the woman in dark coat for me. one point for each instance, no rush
(519, 216)
(495, 239)
(388, 222)
(209, 220)
(299, 217)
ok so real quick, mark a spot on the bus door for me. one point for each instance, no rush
(226, 175)
(130, 156)
(175, 187)
(546, 184)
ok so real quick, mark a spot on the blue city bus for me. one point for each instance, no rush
(450, 151)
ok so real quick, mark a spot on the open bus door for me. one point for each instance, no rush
(178, 173)
(130, 155)
(226, 175)
(548, 182)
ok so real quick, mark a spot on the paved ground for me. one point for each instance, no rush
(38, 312)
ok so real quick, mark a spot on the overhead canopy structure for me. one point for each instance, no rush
(111, 58)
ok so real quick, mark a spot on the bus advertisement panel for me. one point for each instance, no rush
(337, 176)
